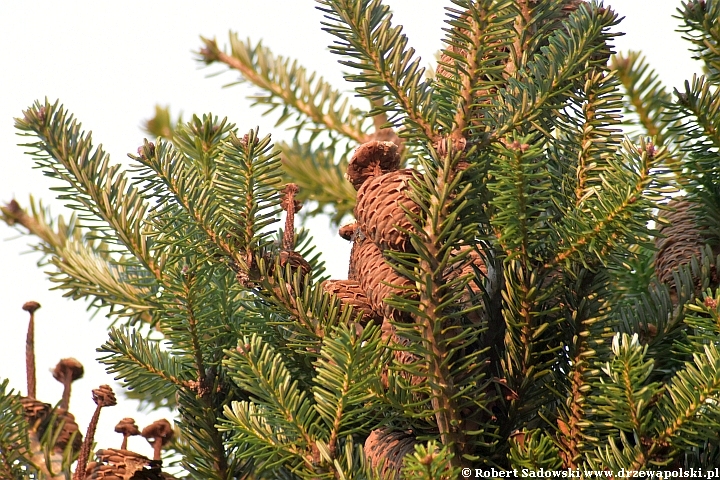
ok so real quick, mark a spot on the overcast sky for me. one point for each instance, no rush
(111, 62)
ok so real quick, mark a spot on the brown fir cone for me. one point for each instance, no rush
(386, 449)
(121, 464)
(350, 292)
(372, 159)
(402, 357)
(446, 64)
(377, 278)
(679, 241)
(36, 413)
(473, 264)
(381, 208)
(69, 431)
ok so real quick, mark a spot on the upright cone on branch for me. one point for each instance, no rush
(372, 159)
(385, 449)
(377, 278)
(681, 240)
(382, 207)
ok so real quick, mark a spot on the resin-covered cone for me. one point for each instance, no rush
(380, 210)
(680, 240)
(385, 449)
(350, 292)
(377, 278)
(372, 159)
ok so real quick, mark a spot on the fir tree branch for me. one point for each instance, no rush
(348, 364)
(645, 94)
(471, 66)
(142, 364)
(569, 55)
(84, 268)
(229, 202)
(441, 242)
(320, 179)
(701, 28)
(94, 186)
(366, 35)
(607, 221)
(287, 85)
(284, 409)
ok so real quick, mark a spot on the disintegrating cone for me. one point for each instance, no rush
(372, 159)
(381, 208)
(67, 371)
(70, 431)
(36, 413)
(158, 433)
(127, 428)
(377, 278)
(116, 464)
(103, 396)
(351, 293)
(681, 240)
(385, 449)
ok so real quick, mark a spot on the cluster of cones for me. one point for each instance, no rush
(382, 224)
(111, 464)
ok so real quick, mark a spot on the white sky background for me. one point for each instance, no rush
(110, 62)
